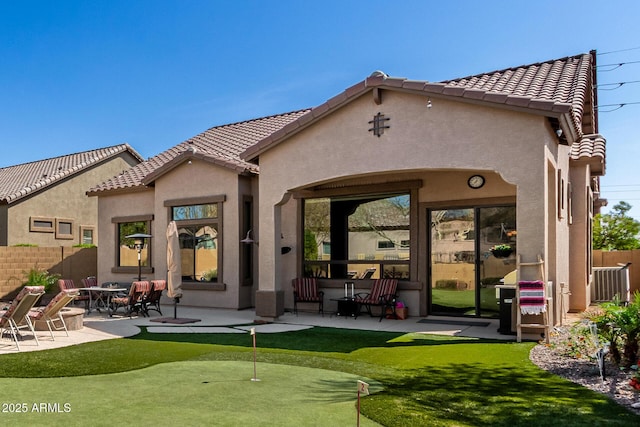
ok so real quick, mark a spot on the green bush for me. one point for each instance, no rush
(619, 324)
(451, 284)
(37, 277)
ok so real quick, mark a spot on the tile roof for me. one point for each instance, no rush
(219, 145)
(557, 88)
(554, 85)
(561, 89)
(591, 149)
(19, 181)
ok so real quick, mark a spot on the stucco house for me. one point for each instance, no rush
(45, 203)
(410, 179)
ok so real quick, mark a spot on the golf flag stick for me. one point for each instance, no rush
(253, 335)
(364, 388)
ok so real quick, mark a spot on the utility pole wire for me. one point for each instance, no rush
(618, 106)
(616, 66)
(617, 85)
(618, 51)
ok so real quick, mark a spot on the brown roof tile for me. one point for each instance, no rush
(591, 149)
(219, 145)
(559, 86)
(25, 179)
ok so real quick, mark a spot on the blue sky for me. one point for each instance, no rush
(79, 75)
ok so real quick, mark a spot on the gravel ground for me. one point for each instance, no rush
(585, 372)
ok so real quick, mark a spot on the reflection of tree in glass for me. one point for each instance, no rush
(129, 228)
(195, 211)
(317, 215)
(372, 214)
(382, 215)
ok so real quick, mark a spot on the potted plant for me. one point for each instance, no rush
(501, 251)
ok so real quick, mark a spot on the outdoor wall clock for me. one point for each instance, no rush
(476, 181)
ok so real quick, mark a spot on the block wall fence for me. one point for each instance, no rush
(68, 262)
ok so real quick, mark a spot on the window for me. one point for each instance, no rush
(347, 236)
(41, 225)
(199, 250)
(127, 254)
(64, 228)
(246, 251)
(386, 244)
(199, 223)
(86, 235)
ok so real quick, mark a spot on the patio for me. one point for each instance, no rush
(98, 326)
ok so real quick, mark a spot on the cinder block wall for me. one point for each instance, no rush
(69, 263)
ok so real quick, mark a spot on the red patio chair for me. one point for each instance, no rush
(383, 295)
(152, 300)
(134, 301)
(69, 285)
(305, 290)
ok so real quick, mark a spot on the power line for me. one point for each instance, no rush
(616, 66)
(621, 191)
(618, 51)
(617, 85)
(618, 106)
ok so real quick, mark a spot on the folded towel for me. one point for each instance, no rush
(532, 297)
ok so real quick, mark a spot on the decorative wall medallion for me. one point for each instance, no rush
(379, 126)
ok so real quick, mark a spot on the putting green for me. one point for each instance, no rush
(188, 393)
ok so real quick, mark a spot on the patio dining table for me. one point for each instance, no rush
(105, 294)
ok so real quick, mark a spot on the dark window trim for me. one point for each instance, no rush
(219, 200)
(409, 188)
(116, 221)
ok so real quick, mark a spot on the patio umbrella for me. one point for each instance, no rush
(174, 268)
(174, 275)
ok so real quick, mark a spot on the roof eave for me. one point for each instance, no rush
(194, 154)
(120, 190)
(561, 111)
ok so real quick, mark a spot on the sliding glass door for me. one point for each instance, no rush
(466, 261)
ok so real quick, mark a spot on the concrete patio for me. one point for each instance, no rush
(98, 326)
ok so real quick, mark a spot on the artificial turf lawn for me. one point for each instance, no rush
(427, 379)
(191, 393)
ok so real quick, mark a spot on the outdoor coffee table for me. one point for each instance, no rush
(347, 307)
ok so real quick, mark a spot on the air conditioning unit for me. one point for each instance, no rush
(609, 282)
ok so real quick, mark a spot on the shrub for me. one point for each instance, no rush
(37, 277)
(620, 325)
(451, 284)
(580, 344)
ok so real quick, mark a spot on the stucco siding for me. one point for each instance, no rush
(442, 146)
(117, 206)
(200, 179)
(66, 200)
